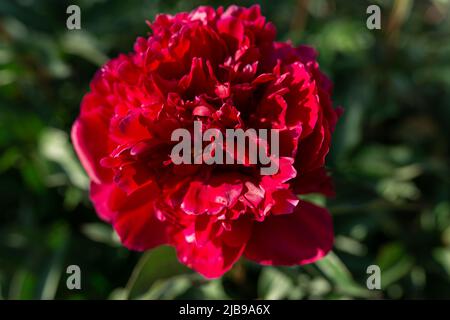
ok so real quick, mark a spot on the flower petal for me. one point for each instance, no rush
(89, 137)
(292, 239)
(133, 216)
(101, 196)
(215, 257)
(212, 195)
(136, 222)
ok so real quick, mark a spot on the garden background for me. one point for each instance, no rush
(390, 155)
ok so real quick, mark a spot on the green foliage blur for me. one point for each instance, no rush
(390, 157)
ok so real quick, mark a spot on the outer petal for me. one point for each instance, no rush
(139, 229)
(89, 137)
(101, 195)
(315, 181)
(133, 216)
(214, 257)
(298, 238)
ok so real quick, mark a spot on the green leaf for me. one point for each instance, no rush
(273, 284)
(54, 146)
(214, 289)
(168, 289)
(337, 272)
(83, 44)
(159, 263)
(316, 198)
(442, 256)
(394, 263)
(100, 232)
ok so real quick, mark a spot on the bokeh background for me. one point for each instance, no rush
(390, 157)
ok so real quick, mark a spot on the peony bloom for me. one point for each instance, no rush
(225, 68)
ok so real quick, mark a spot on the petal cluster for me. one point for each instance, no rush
(224, 68)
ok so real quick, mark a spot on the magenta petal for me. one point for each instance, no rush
(302, 237)
(212, 195)
(285, 202)
(315, 181)
(214, 257)
(232, 27)
(136, 222)
(133, 216)
(100, 195)
(211, 260)
(139, 229)
(89, 137)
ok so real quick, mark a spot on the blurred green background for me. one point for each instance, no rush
(390, 157)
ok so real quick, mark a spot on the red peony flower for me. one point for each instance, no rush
(224, 68)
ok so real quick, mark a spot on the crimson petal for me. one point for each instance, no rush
(301, 237)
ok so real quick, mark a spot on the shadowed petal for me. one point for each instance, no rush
(302, 237)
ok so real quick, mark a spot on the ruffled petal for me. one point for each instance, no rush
(214, 257)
